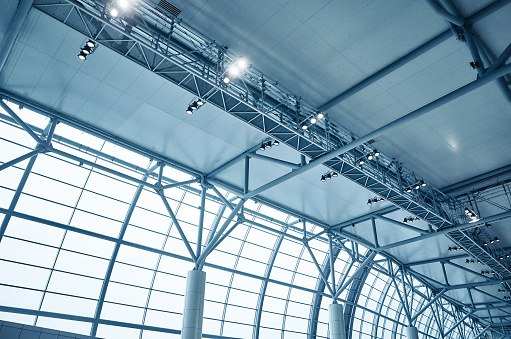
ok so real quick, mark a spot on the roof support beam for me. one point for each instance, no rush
(457, 324)
(355, 275)
(21, 123)
(425, 307)
(14, 30)
(21, 158)
(411, 56)
(443, 13)
(400, 224)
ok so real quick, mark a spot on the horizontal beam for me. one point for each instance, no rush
(274, 160)
(401, 224)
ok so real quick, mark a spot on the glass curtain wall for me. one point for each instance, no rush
(86, 248)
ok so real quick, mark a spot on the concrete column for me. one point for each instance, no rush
(336, 324)
(194, 305)
(411, 333)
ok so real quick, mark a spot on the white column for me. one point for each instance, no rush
(336, 324)
(194, 305)
(411, 333)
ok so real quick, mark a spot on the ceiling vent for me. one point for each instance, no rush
(168, 9)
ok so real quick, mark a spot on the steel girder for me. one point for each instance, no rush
(197, 65)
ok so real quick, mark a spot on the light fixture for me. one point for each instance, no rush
(467, 211)
(114, 12)
(226, 79)
(194, 105)
(382, 199)
(313, 120)
(497, 239)
(361, 161)
(91, 44)
(376, 153)
(268, 144)
(276, 143)
(501, 257)
(492, 241)
(423, 184)
(335, 174)
(86, 49)
(320, 116)
(200, 102)
(449, 249)
(262, 147)
(484, 243)
(328, 176)
(82, 56)
(370, 157)
(323, 178)
(408, 189)
(369, 201)
(189, 110)
(304, 127)
(417, 186)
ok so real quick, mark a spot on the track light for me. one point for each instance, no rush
(417, 186)
(91, 44)
(196, 104)
(408, 189)
(200, 102)
(501, 257)
(226, 80)
(189, 110)
(376, 153)
(382, 199)
(304, 127)
(276, 143)
(86, 50)
(370, 157)
(268, 144)
(313, 120)
(328, 176)
(361, 161)
(422, 183)
(335, 174)
(114, 12)
(369, 201)
(323, 178)
(484, 243)
(320, 116)
(496, 239)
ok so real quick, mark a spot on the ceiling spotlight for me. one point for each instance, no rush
(91, 44)
(200, 102)
(328, 176)
(478, 261)
(492, 241)
(507, 255)
(194, 105)
(417, 186)
(86, 49)
(417, 218)
(501, 257)
(370, 157)
(408, 189)
(369, 201)
(496, 239)
(461, 248)
(484, 243)
(361, 161)
(313, 120)
(234, 71)
(467, 211)
(82, 56)
(276, 143)
(262, 147)
(320, 116)
(323, 178)
(382, 199)
(114, 12)
(423, 184)
(268, 144)
(375, 200)
(376, 153)
(304, 127)
(226, 80)
(335, 174)
(449, 249)
(242, 63)
(189, 110)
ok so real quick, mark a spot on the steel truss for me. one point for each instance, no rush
(177, 53)
(362, 262)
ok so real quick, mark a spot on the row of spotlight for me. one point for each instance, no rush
(410, 219)
(494, 240)
(455, 248)
(268, 144)
(196, 104)
(504, 291)
(375, 200)
(369, 157)
(329, 176)
(312, 120)
(470, 213)
(87, 49)
(417, 185)
(472, 261)
(234, 70)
